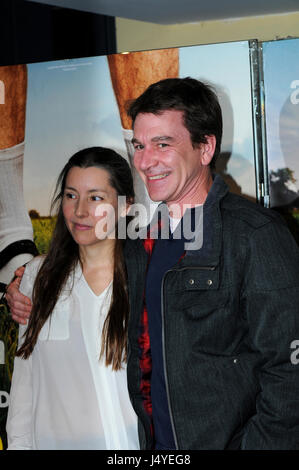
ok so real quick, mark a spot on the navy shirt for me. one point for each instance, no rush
(165, 255)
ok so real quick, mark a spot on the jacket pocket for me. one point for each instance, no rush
(200, 278)
(238, 380)
(206, 303)
(210, 320)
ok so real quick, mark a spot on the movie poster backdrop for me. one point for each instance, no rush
(50, 110)
(281, 78)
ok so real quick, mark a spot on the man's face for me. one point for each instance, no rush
(164, 156)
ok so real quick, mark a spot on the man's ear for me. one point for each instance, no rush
(208, 150)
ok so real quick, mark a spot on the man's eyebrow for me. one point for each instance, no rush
(162, 137)
(154, 139)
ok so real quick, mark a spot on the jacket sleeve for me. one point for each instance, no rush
(19, 418)
(270, 298)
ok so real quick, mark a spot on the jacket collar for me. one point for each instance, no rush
(209, 254)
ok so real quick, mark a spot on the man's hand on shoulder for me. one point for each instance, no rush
(19, 304)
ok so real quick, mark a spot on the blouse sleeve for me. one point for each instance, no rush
(19, 419)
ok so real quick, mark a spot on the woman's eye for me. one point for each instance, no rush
(96, 198)
(70, 196)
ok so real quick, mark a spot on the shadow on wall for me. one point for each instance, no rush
(240, 162)
(284, 198)
(283, 181)
(238, 172)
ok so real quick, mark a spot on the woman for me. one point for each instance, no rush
(69, 387)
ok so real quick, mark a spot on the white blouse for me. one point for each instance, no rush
(63, 396)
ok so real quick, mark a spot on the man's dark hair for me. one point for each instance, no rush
(200, 106)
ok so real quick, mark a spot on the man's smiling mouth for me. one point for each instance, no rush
(158, 177)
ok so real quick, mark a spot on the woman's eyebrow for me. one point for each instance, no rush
(94, 190)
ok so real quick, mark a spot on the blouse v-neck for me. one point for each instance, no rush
(80, 274)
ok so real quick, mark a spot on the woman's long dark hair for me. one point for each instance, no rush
(63, 255)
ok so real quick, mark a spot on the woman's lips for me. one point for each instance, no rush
(82, 226)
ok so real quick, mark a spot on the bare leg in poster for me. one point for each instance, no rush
(131, 74)
(16, 234)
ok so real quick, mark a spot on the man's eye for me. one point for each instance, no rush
(96, 198)
(162, 145)
(138, 147)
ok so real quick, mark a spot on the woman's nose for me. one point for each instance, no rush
(81, 209)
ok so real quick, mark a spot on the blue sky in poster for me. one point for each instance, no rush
(71, 105)
(281, 77)
(226, 67)
(68, 108)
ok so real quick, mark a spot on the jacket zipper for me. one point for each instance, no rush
(207, 268)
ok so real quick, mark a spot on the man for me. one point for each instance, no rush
(211, 330)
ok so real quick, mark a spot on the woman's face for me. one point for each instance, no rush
(89, 205)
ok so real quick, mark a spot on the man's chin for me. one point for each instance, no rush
(155, 194)
(156, 197)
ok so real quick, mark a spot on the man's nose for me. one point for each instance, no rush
(146, 159)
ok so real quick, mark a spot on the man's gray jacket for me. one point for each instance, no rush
(230, 331)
